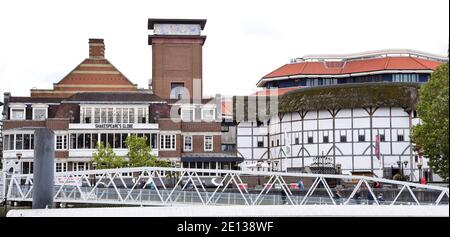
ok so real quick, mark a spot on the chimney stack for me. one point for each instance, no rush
(96, 49)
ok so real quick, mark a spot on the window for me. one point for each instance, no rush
(326, 138)
(278, 142)
(61, 167)
(61, 142)
(110, 115)
(400, 136)
(297, 139)
(187, 143)
(187, 114)
(97, 115)
(118, 115)
(88, 141)
(167, 142)
(208, 143)
(103, 116)
(19, 141)
(208, 114)
(260, 142)
(382, 138)
(361, 138)
(131, 113)
(343, 138)
(87, 115)
(17, 114)
(141, 115)
(153, 139)
(80, 166)
(39, 114)
(27, 167)
(124, 115)
(177, 91)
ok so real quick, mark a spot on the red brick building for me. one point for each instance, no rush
(96, 103)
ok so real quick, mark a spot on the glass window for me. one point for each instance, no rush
(60, 142)
(110, 115)
(19, 141)
(187, 114)
(5, 142)
(362, 138)
(343, 138)
(208, 143)
(39, 114)
(26, 141)
(124, 138)
(17, 114)
(87, 115)
(167, 142)
(80, 142)
(260, 142)
(208, 114)
(117, 141)
(88, 141)
(125, 116)
(154, 138)
(111, 139)
(141, 115)
(94, 139)
(118, 115)
(187, 143)
(73, 141)
(177, 90)
(400, 138)
(97, 115)
(310, 139)
(326, 139)
(132, 118)
(103, 139)
(103, 115)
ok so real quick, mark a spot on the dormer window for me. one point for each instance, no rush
(17, 114)
(40, 111)
(17, 111)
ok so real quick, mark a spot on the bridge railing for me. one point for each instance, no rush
(178, 186)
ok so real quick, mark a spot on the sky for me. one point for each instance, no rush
(42, 41)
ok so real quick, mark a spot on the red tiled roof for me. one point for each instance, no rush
(275, 91)
(357, 66)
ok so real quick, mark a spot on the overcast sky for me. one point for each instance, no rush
(41, 41)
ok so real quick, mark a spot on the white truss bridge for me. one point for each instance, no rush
(158, 186)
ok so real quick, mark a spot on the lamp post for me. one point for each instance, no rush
(405, 163)
(19, 156)
(399, 163)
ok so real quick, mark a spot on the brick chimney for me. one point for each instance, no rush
(96, 49)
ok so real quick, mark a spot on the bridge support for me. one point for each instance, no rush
(44, 152)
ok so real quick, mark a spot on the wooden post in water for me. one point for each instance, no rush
(44, 152)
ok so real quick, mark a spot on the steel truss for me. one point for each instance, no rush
(230, 191)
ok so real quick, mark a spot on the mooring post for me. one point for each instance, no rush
(44, 152)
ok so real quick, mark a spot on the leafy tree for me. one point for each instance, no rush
(106, 158)
(140, 153)
(432, 134)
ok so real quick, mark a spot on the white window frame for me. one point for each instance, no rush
(45, 116)
(173, 142)
(184, 143)
(63, 166)
(213, 114)
(22, 108)
(212, 143)
(64, 142)
(183, 112)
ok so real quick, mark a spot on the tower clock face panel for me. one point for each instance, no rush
(177, 29)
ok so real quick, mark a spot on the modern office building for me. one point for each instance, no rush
(351, 112)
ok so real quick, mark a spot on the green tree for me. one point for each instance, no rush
(431, 135)
(106, 158)
(140, 153)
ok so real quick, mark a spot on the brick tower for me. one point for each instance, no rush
(177, 57)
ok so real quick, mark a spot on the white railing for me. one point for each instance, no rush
(178, 186)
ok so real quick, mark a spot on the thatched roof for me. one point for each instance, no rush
(354, 95)
(357, 95)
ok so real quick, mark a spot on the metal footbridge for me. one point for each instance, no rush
(158, 186)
